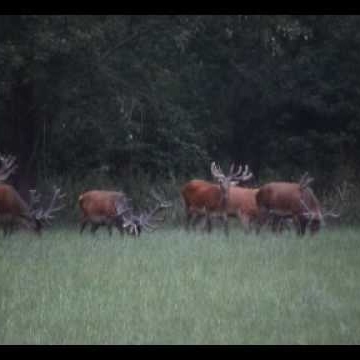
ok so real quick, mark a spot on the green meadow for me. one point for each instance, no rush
(178, 287)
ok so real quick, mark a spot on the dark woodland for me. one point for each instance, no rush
(125, 101)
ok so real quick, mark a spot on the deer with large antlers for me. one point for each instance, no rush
(103, 208)
(14, 210)
(206, 198)
(295, 201)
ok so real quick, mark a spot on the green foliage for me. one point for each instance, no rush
(164, 95)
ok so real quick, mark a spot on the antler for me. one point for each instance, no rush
(146, 220)
(216, 171)
(342, 190)
(305, 181)
(48, 214)
(308, 213)
(239, 175)
(8, 166)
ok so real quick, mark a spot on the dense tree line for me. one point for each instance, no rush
(163, 95)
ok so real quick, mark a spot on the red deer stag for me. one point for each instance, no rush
(100, 207)
(14, 210)
(292, 200)
(205, 198)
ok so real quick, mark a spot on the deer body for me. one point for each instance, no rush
(99, 207)
(200, 194)
(205, 198)
(292, 200)
(240, 202)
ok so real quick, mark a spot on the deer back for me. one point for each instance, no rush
(281, 197)
(100, 202)
(200, 194)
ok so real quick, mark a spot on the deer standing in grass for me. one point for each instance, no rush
(206, 198)
(14, 210)
(103, 208)
(292, 200)
(109, 208)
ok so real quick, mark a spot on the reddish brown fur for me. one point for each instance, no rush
(202, 198)
(98, 207)
(199, 195)
(13, 208)
(242, 204)
(284, 199)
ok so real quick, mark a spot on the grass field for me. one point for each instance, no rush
(173, 287)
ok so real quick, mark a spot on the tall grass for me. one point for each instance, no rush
(174, 287)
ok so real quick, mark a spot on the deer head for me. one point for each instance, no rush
(317, 217)
(146, 220)
(122, 207)
(232, 179)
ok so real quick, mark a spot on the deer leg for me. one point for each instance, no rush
(208, 222)
(196, 219)
(83, 225)
(37, 226)
(303, 224)
(314, 227)
(245, 221)
(276, 224)
(226, 224)
(120, 228)
(5, 229)
(300, 225)
(10, 228)
(261, 220)
(109, 227)
(252, 223)
(94, 227)
(188, 220)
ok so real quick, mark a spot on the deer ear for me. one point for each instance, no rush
(234, 183)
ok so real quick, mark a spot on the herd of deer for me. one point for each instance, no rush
(274, 204)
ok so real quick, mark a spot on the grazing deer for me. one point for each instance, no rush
(292, 200)
(14, 210)
(100, 207)
(146, 220)
(205, 198)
